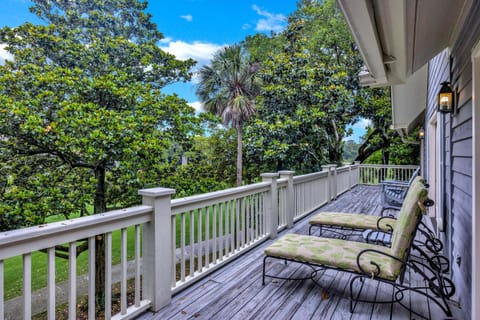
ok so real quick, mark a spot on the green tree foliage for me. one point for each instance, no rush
(260, 46)
(309, 91)
(350, 150)
(210, 165)
(81, 105)
(382, 144)
(82, 118)
(228, 88)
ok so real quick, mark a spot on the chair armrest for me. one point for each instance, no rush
(389, 226)
(395, 182)
(376, 265)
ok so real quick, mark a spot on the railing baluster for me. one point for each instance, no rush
(228, 230)
(243, 213)
(72, 278)
(192, 242)
(27, 286)
(108, 275)
(236, 219)
(231, 216)
(137, 265)
(91, 277)
(173, 251)
(221, 234)
(214, 231)
(208, 211)
(2, 309)
(199, 239)
(250, 225)
(257, 216)
(247, 220)
(123, 286)
(265, 205)
(263, 216)
(50, 284)
(182, 250)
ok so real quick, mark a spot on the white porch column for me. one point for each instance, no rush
(271, 204)
(157, 246)
(290, 196)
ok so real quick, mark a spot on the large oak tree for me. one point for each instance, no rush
(83, 123)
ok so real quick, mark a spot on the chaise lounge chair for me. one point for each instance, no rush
(384, 264)
(394, 192)
(375, 229)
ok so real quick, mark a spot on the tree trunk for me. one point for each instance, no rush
(100, 206)
(239, 155)
(335, 151)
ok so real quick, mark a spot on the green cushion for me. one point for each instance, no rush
(408, 217)
(334, 253)
(343, 254)
(352, 220)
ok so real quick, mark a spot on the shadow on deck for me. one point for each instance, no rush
(236, 291)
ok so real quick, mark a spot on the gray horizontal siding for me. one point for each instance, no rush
(461, 159)
(456, 66)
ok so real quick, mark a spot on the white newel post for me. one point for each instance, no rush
(357, 176)
(350, 177)
(329, 182)
(157, 245)
(334, 186)
(271, 203)
(290, 197)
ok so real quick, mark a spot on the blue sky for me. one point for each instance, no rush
(192, 29)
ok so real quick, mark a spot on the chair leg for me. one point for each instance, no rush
(263, 273)
(354, 300)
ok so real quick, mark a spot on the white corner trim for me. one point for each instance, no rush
(476, 182)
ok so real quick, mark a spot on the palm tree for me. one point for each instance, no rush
(228, 88)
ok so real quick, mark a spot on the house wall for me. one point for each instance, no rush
(456, 66)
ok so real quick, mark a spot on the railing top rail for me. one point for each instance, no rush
(217, 196)
(342, 169)
(411, 166)
(309, 177)
(16, 242)
(282, 182)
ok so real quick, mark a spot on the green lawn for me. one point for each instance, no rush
(13, 267)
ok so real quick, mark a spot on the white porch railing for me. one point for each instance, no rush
(176, 242)
(372, 174)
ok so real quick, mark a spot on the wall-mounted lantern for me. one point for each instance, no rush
(421, 133)
(445, 98)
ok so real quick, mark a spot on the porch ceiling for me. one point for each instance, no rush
(396, 38)
(409, 101)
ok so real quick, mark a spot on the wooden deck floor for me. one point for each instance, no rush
(236, 291)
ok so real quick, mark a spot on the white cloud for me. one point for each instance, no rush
(272, 21)
(187, 17)
(362, 124)
(166, 40)
(202, 52)
(246, 26)
(197, 105)
(4, 55)
(359, 129)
